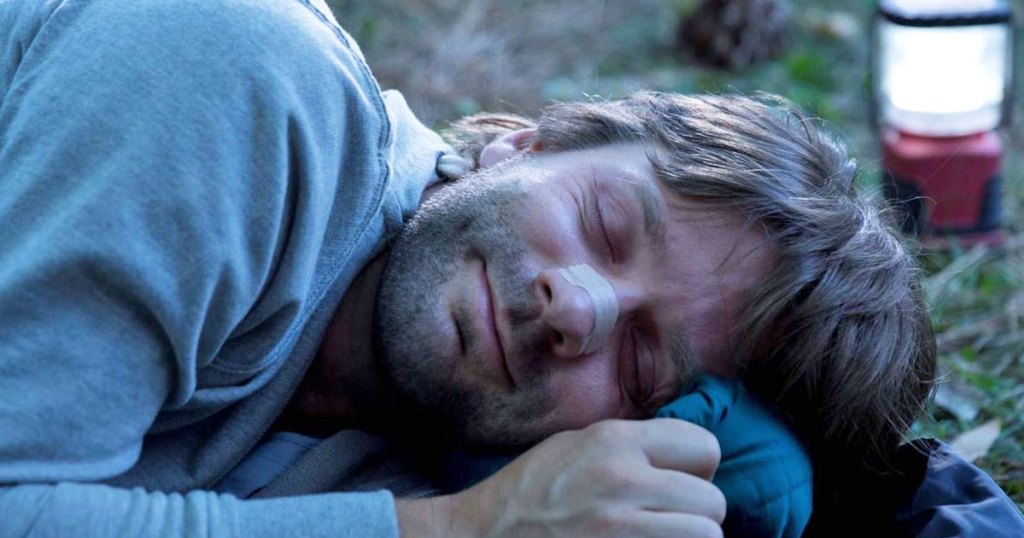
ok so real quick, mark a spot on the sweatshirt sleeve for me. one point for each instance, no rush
(146, 171)
(90, 510)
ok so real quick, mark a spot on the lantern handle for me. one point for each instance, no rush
(1010, 93)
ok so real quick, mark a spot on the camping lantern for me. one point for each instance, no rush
(942, 81)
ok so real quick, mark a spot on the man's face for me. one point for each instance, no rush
(474, 322)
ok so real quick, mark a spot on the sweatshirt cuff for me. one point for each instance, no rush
(334, 515)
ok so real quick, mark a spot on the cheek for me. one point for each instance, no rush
(585, 392)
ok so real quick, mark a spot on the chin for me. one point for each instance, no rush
(415, 340)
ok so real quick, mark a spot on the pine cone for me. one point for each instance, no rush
(735, 33)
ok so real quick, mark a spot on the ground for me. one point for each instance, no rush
(451, 58)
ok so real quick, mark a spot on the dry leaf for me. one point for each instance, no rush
(975, 443)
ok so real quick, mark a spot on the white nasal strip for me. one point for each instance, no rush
(602, 295)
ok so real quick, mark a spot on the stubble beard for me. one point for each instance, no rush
(468, 218)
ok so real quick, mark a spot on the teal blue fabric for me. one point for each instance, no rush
(765, 473)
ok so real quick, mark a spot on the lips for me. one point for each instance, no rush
(487, 315)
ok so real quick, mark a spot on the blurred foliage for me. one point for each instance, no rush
(452, 58)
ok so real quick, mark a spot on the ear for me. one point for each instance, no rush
(508, 145)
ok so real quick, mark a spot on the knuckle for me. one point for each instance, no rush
(606, 521)
(704, 528)
(608, 431)
(614, 475)
(714, 450)
(703, 444)
(710, 453)
(717, 505)
(562, 437)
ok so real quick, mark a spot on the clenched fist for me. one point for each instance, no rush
(614, 478)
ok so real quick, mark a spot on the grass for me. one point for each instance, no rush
(451, 58)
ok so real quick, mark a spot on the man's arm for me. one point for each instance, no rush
(91, 510)
(147, 153)
(615, 478)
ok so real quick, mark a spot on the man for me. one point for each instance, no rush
(216, 223)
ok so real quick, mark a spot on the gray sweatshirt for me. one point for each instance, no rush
(187, 188)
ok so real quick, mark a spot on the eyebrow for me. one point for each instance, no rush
(653, 210)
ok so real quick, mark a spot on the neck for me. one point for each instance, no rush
(344, 387)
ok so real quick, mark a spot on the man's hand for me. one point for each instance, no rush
(614, 478)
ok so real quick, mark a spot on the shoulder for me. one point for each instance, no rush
(200, 69)
(210, 32)
(214, 36)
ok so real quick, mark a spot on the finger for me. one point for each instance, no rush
(673, 525)
(673, 491)
(683, 446)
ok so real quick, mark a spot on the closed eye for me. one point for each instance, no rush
(603, 227)
(638, 369)
(647, 373)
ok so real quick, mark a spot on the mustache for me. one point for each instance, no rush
(530, 336)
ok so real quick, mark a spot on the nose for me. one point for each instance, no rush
(579, 306)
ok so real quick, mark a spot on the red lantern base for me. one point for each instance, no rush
(947, 188)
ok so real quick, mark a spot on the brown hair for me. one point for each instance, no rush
(838, 336)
